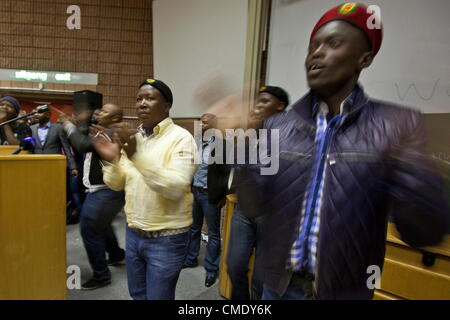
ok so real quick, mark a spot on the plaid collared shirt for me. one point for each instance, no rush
(304, 249)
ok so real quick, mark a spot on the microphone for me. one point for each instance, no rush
(39, 109)
(27, 144)
(42, 109)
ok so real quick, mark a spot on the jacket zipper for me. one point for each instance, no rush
(357, 156)
(293, 156)
(318, 176)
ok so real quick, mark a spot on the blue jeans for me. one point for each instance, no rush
(293, 292)
(97, 214)
(75, 190)
(202, 208)
(243, 236)
(154, 265)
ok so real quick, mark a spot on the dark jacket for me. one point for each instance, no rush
(217, 178)
(55, 142)
(82, 142)
(217, 182)
(376, 165)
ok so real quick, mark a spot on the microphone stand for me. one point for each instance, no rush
(17, 118)
(20, 149)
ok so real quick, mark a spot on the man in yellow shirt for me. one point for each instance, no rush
(155, 168)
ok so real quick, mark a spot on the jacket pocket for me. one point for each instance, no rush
(362, 157)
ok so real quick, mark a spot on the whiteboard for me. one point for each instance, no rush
(412, 67)
(197, 39)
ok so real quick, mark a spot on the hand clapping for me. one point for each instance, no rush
(109, 148)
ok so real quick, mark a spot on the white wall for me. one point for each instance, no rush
(194, 38)
(412, 67)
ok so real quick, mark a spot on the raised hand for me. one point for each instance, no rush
(108, 150)
(82, 117)
(229, 111)
(128, 139)
(213, 94)
(255, 119)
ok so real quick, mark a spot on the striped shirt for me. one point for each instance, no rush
(304, 249)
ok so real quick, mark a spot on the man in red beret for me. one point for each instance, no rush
(347, 162)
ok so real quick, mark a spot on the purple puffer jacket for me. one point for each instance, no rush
(377, 166)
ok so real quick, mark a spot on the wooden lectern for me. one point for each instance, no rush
(7, 150)
(410, 273)
(32, 226)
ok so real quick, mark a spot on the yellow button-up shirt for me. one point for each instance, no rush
(157, 178)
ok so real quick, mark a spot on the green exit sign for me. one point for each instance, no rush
(63, 76)
(41, 76)
(49, 76)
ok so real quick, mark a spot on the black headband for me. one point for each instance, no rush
(161, 86)
(277, 92)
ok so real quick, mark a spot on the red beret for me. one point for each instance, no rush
(356, 14)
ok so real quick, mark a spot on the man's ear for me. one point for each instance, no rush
(168, 106)
(280, 107)
(116, 118)
(365, 60)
